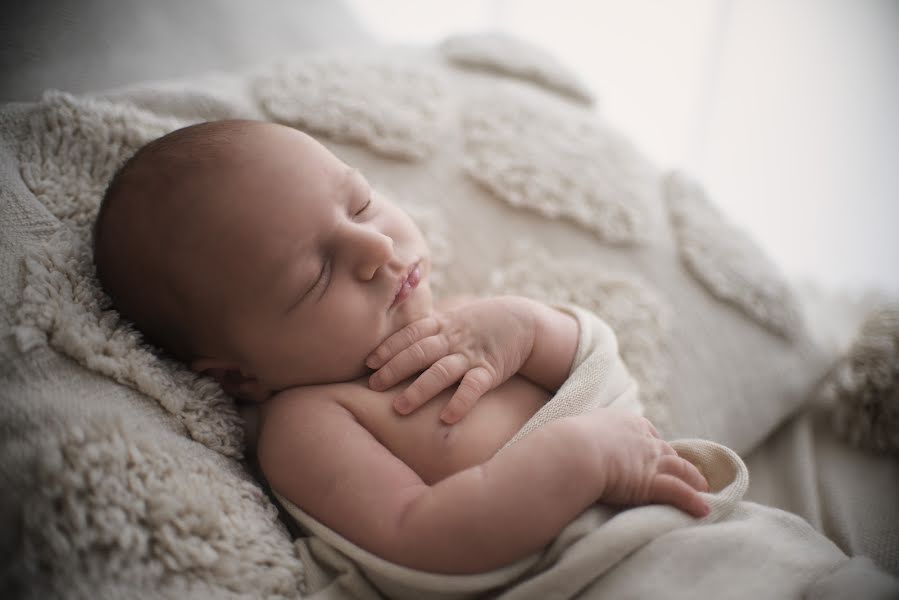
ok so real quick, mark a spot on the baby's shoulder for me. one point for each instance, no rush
(296, 417)
(303, 407)
(306, 401)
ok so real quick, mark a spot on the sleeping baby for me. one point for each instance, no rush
(250, 252)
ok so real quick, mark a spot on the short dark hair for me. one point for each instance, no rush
(154, 169)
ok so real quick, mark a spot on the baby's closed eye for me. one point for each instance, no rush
(364, 207)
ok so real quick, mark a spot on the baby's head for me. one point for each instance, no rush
(249, 251)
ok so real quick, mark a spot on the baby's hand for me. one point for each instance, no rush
(483, 343)
(638, 467)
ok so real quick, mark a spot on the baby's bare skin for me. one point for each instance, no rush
(431, 448)
(426, 443)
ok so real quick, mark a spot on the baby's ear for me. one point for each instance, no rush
(232, 380)
(226, 373)
(213, 367)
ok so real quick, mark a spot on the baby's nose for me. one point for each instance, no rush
(375, 250)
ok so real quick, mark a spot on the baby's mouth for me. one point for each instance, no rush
(408, 283)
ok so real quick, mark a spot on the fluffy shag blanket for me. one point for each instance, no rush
(863, 388)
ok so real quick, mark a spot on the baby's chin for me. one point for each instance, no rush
(362, 372)
(355, 369)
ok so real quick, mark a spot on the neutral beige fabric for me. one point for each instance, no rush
(604, 553)
(806, 467)
(863, 390)
(846, 493)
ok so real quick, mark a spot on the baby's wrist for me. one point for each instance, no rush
(591, 459)
(523, 334)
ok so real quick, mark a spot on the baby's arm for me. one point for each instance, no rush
(555, 342)
(315, 453)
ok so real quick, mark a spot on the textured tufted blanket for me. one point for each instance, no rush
(124, 471)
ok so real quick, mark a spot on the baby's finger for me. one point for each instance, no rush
(415, 358)
(685, 470)
(439, 376)
(475, 384)
(666, 449)
(403, 338)
(668, 489)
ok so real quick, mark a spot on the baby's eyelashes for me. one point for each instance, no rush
(324, 277)
(364, 207)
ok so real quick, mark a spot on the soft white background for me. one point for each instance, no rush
(787, 110)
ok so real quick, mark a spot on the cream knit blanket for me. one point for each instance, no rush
(740, 550)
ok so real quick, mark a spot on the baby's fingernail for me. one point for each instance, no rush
(374, 381)
(371, 361)
(401, 404)
(448, 417)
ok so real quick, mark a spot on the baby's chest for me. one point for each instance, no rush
(433, 449)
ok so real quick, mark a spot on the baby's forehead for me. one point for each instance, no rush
(265, 176)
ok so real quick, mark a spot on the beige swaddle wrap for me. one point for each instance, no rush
(648, 551)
